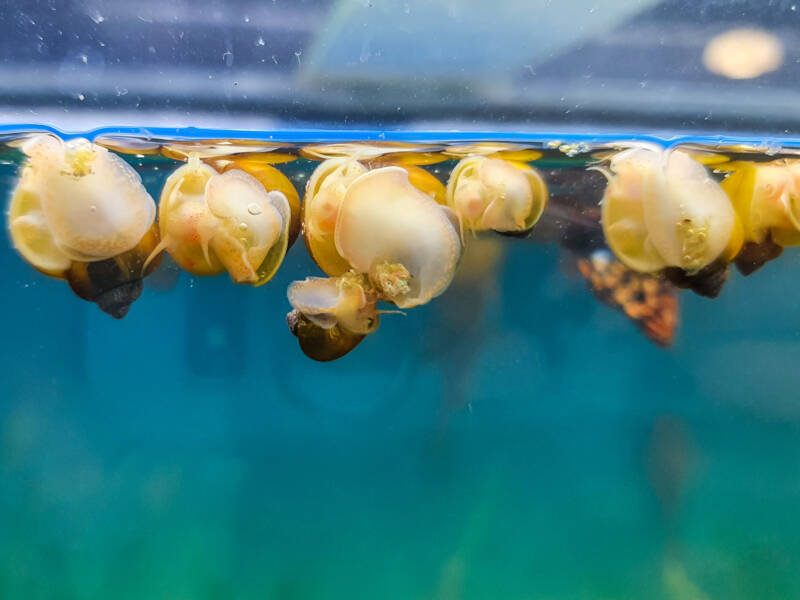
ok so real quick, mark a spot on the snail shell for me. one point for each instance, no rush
(260, 167)
(115, 283)
(496, 194)
(319, 343)
(348, 301)
(81, 213)
(766, 197)
(663, 209)
(400, 237)
(212, 222)
(76, 201)
(325, 192)
(331, 315)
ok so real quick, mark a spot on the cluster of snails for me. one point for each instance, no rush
(663, 211)
(380, 227)
(384, 230)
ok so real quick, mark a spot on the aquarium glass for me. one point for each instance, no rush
(437, 299)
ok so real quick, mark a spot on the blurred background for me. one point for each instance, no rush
(671, 65)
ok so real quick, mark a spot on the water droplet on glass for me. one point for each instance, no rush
(243, 226)
(254, 209)
(365, 51)
(92, 208)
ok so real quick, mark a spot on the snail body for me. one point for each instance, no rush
(326, 190)
(211, 222)
(332, 315)
(81, 213)
(496, 194)
(663, 209)
(398, 236)
(383, 239)
(324, 194)
(766, 197)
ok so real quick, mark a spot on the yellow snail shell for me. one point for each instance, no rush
(663, 209)
(324, 194)
(76, 201)
(766, 197)
(212, 222)
(400, 237)
(496, 194)
(81, 213)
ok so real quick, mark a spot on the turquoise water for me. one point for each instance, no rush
(536, 446)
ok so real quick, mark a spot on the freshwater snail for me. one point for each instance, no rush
(391, 242)
(662, 210)
(81, 213)
(212, 221)
(496, 194)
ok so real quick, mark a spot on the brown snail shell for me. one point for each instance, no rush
(115, 283)
(318, 343)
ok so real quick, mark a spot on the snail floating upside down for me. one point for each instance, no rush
(80, 213)
(343, 164)
(332, 315)
(380, 238)
(213, 221)
(492, 188)
(662, 211)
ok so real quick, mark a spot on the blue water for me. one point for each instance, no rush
(536, 446)
(313, 135)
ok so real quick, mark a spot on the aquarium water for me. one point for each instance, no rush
(513, 438)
